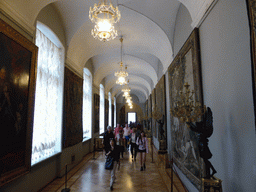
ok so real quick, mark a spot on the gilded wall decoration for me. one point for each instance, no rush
(186, 68)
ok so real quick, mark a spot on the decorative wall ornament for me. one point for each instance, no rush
(17, 92)
(186, 68)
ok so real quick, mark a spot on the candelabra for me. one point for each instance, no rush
(156, 114)
(185, 108)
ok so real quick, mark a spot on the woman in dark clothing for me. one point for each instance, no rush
(115, 153)
(133, 139)
(106, 138)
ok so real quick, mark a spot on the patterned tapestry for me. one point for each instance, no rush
(106, 113)
(154, 129)
(161, 104)
(186, 68)
(73, 95)
(146, 114)
(96, 113)
(150, 113)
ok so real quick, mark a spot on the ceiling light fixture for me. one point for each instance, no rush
(122, 74)
(104, 15)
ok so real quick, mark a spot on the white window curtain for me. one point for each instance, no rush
(102, 108)
(114, 111)
(87, 106)
(110, 110)
(47, 130)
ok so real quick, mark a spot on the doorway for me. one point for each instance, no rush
(132, 116)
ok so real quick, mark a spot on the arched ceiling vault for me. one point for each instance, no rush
(147, 27)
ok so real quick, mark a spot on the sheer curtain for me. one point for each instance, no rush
(114, 111)
(110, 110)
(48, 100)
(87, 105)
(102, 108)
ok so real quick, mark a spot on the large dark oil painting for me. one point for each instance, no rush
(17, 88)
(186, 68)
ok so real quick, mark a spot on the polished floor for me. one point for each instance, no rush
(90, 176)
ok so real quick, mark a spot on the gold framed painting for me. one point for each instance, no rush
(186, 68)
(18, 58)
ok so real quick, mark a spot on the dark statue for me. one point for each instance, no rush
(161, 128)
(204, 129)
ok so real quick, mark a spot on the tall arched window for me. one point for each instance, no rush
(47, 132)
(87, 105)
(114, 111)
(102, 108)
(110, 110)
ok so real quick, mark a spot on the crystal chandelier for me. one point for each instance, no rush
(126, 90)
(122, 74)
(104, 15)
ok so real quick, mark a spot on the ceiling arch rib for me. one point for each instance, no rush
(138, 93)
(133, 26)
(134, 88)
(104, 66)
(110, 82)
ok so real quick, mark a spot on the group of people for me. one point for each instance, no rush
(119, 140)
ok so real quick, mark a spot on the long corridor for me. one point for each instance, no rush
(90, 176)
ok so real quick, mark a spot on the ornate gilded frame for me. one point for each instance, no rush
(14, 39)
(186, 66)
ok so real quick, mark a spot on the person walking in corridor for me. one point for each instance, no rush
(142, 143)
(115, 154)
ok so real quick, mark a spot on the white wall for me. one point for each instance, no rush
(227, 89)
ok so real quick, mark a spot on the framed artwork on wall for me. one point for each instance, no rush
(186, 68)
(150, 113)
(251, 7)
(161, 105)
(154, 129)
(73, 102)
(18, 57)
(96, 113)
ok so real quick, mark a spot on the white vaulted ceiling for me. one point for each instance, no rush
(147, 27)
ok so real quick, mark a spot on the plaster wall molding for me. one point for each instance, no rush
(202, 12)
(9, 12)
(73, 67)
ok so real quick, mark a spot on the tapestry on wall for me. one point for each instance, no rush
(96, 113)
(146, 116)
(154, 130)
(73, 102)
(18, 58)
(150, 113)
(106, 113)
(251, 5)
(122, 116)
(161, 106)
(186, 68)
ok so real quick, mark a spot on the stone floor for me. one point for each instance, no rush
(90, 176)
